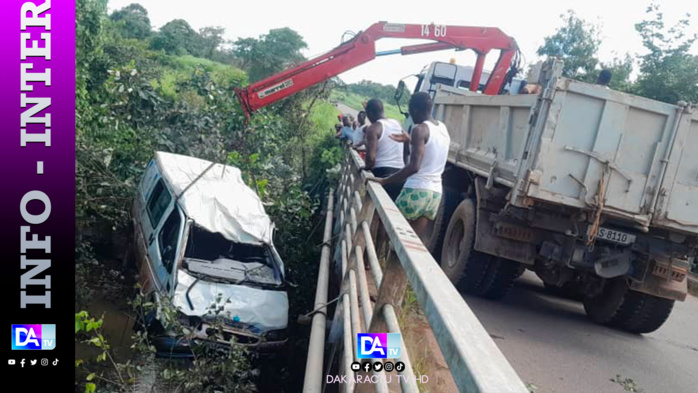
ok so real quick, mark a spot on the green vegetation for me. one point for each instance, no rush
(576, 42)
(270, 53)
(354, 95)
(667, 71)
(356, 101)
(132, 21)
(211, 369)
(376, 90)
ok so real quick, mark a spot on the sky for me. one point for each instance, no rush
(321, 24)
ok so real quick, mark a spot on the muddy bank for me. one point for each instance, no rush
(111, 288)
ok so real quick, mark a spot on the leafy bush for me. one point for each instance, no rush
(213, 368)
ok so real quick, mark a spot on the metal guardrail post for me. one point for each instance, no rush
(408, 383)
(477, 365)
(312, 382)
(474, 360)
(390, 291)
(348, 347)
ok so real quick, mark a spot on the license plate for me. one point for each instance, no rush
(614, 236)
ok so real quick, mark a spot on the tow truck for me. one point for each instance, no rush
(592, 189)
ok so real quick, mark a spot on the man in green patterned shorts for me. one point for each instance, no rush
(429, 140)
(415, 203)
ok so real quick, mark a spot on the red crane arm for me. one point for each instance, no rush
(361, 49)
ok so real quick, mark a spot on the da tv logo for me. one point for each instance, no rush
(33, 337)
(378, 345)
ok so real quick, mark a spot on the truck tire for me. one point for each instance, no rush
(620, 307)
(471, 271)
(435, 233)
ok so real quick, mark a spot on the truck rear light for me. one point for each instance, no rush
(670, 271)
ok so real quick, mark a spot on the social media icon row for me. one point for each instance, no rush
(32, 362)
(378, 366)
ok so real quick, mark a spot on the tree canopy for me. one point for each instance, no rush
(176, 37)
(133, 21)
(668, 72)
(370, 89)
(210, 40)
(576, 43)
(270, 53)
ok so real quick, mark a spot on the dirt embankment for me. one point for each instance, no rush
(423, 350)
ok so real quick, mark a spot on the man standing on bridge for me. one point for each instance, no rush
(359, 140)
(346, 132)
(420, 198)
(383, 152)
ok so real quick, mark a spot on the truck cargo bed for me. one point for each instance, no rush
(577, 144)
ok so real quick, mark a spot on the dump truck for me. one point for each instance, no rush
(594, 190)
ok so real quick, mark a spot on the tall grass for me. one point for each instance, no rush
(356, 101)
(176, 69)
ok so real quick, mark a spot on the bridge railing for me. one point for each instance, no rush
(362, 210)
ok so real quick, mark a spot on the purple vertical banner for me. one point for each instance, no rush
(37, 202)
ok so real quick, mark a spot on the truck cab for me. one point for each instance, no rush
(448, 75)
(454, 75)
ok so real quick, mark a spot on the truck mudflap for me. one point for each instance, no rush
(665, 278)
(497, 237)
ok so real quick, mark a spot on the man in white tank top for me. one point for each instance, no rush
(420, 198)
(383, 153)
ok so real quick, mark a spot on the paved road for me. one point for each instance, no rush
(346, 110)
(551, 344)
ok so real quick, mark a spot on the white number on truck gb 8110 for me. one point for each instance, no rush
(615, 236)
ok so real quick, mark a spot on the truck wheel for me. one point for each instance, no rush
(471, 271)
(620, 307)
(435, 233)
